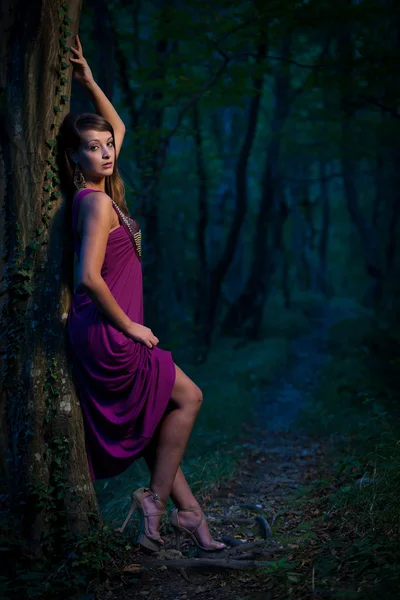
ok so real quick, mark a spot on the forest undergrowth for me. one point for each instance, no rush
(328, 486)
(337, 520)
(357, 502)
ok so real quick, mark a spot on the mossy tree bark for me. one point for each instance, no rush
(45, 471)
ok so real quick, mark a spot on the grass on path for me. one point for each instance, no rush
(350, 536)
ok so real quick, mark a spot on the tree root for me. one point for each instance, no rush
(202, 563)
(247, 546)
(264, 527)
(238, 520)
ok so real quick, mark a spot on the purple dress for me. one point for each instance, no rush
(123, 386)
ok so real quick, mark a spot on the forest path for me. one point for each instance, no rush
(280, 461)
(292, 390)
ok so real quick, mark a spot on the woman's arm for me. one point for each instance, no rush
(97, 210)
(83, 73)
(108, 112)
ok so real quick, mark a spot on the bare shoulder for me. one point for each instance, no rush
(96, 210)
(97, 203)
(96, 197)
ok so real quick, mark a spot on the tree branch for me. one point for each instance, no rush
(162, 153)
(324, 52)
(302, 65)
(375, 102)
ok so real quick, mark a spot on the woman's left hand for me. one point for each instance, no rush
(81, 70)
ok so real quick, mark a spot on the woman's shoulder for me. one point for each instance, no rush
(88, 201)
(85, 191)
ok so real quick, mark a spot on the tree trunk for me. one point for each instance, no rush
(300, 202)
(153, 258)
(226, 122)
(231, 120)
(247, 311)
(394, 216)
(202, 221)
(309, 259)
(105, 49)
(221, 267)
(145, 155)
(123, 66)
(324, 236)
(47, 478)
(393, 210)
(362, 224)
(295, 192)
(360, 221)
(286, 288)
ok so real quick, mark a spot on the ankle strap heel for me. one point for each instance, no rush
(155, 497)
(150, 541)
(193, 533)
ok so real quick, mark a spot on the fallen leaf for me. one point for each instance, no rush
(134, 568)
(200, 589)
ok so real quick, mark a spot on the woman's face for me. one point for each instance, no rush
(96, 154)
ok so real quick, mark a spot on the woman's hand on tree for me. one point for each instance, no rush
(81, 70)
(142, 334)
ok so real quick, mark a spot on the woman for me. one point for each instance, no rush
(135, 400)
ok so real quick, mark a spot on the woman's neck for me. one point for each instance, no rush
(96, 186)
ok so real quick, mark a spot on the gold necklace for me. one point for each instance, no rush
(136, 235)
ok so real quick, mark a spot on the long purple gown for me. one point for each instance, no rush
(123, 386)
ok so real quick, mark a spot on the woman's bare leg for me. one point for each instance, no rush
(182, 496)
(171, 440)
(174, 432)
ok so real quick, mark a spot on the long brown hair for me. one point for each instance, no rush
(69, 138)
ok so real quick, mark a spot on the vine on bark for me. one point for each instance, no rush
(19, 286)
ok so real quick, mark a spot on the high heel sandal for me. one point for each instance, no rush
(178, 529)
(145, 539)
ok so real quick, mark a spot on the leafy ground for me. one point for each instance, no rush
(307, 500)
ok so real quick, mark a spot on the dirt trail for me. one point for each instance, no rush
(280, 460)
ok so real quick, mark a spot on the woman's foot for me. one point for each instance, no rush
(151, 509)
(193, 522)
(154, 508)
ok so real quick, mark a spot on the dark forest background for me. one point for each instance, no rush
(261, 154)
(262, 159)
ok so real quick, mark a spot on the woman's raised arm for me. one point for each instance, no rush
(83, 73)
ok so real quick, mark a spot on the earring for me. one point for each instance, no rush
(79, 180)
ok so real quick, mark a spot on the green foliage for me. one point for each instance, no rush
(281, 570)
(49, 498)
(174, 52)
(86, 558)
(232, 379)
(360, 385)
(356, 405)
